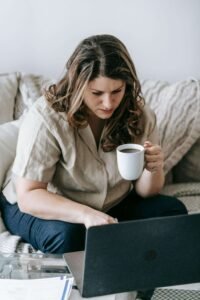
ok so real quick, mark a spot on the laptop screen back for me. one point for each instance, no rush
(141, 254)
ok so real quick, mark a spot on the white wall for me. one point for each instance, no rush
(163, 36)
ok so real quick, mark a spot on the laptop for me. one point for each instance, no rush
(137, 255)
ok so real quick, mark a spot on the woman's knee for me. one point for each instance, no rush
(173, 206)
(158, 206)
(64, 237)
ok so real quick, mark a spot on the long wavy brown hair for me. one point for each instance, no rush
(100, 55)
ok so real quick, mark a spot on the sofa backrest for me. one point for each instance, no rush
(177, 107)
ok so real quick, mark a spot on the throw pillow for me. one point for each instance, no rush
(188, 169)
(177, 107)
(8, 92)
(8, 142)
(30, 89)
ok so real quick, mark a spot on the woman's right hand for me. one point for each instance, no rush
(94, 217)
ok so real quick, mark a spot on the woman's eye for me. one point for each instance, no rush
(97, 93)
(100, 93)
(116, 92)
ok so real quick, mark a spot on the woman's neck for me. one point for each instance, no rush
(96, 125)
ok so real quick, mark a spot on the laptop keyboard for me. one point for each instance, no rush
(172, 294)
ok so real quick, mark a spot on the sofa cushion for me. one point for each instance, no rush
(177, 107)
(30, 89)
(8, 92)
(8, 142)
(189, 193)
(188, 169)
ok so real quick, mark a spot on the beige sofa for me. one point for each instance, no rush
(177, 107)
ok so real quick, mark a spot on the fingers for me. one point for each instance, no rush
(154, 167)
(152, 149)
(154, 158)
(96, 218)
(111, 220)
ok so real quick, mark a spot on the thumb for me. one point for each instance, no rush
(147, 144)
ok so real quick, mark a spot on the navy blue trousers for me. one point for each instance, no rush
(52, 236)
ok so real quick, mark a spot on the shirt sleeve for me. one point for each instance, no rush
(37, 150)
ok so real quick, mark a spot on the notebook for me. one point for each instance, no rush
(137, 255)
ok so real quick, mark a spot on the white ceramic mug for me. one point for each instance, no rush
(130, 160)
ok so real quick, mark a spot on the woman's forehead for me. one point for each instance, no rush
(105, 84)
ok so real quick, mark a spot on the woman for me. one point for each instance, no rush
(65, 175)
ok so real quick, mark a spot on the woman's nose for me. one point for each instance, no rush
(107, 101)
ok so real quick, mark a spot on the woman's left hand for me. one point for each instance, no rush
(154, 158)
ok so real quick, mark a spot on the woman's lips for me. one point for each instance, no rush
(107, 111)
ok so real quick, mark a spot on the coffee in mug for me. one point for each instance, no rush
(129, 150)
(130, 160)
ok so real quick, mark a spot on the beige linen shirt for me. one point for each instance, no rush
(51, 151)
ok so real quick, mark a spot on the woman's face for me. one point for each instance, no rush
(103, 95)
